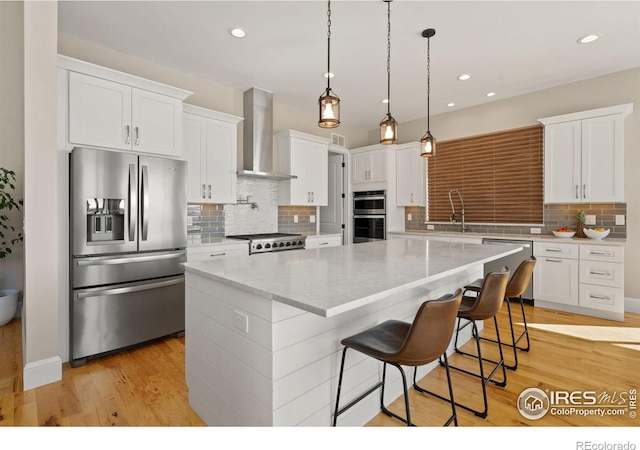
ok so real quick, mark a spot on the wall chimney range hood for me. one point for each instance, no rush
(258, 136)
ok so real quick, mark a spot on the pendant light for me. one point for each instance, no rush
(328, 102)
(428, 142)
(388, 125)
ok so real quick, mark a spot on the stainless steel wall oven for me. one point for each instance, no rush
(369, 216)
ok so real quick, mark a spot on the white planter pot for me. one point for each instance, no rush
(8, 305)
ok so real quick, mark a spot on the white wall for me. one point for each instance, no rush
(42, 361)
(12, 126)
(609, 90)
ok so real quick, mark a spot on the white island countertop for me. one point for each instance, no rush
(334, 280)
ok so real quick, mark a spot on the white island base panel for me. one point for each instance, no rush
(253, 361)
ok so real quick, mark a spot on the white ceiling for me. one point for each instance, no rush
(510, 47)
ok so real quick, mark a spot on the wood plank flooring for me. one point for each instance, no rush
(146, 386)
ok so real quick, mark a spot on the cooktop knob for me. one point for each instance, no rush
(281, 244)
(299, 242)
(259, 246)
(288, 244)
(267, 245)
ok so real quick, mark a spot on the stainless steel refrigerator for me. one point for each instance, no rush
(128, 225)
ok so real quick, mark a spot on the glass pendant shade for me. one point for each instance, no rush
(427, 145)
(329, 106)
(388, 130)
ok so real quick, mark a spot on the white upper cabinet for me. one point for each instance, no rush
(210, 148)
(307, 157)
(410, 176)
(369, 166)
(584, 156)
(113, 110)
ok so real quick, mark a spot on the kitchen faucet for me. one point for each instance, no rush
(453, 211)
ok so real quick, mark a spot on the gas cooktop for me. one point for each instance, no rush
(271, 242)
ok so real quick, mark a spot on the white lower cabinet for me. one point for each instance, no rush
(217, 251)
(321, 241)
(580, 278)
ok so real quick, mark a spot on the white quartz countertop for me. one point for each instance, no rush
(522, 237)
(339, 279)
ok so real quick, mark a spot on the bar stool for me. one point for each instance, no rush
(481, 307)
(410, 344)
(515, 288)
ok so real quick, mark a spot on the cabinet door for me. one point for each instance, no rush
(360, 168)
(221, 162)
(156, 123)
(556, 280)
(378, 165)
(318, 173)
(602, 159)
(99, 112)
(194, 149)
(409, 178)
(562, 162)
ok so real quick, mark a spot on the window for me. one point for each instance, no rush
(499, 176)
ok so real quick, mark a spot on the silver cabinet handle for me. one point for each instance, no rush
(554, 250)
(599, 297)
(553, 260)
(596, 252)
(313, 196)
(218, 254)
(133, 202)
(308, 197)
(323, 243)
(128, 134)
(137, 136)
(412, 197)
(209, 191)
(145, 202)
(584, 191)
(204, 191)
(577, 187)
(598, 272)
(126, 290)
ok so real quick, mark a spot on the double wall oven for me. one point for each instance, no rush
(369, 216)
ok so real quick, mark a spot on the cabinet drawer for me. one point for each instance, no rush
(215, 252)
(602, 273)
(602, 253)
(323, 241)
(555, 250)
(601, 297)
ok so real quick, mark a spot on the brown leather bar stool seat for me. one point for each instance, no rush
(406, 344)
(473, 308)
(516, 286)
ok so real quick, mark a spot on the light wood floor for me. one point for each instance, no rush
(146, 386)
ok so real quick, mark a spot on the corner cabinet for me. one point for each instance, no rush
(369, 166)
(305, 156)
(210, 148)
(584, 156)
(110, 109)
(410, 176)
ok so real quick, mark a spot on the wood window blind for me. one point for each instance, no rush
(500, 177)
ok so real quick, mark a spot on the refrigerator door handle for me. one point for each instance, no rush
(145, 202)
(133, 202)
(99, 292)
(110, 260)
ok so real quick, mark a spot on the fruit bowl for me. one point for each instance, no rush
(564, 234)
(596, 234)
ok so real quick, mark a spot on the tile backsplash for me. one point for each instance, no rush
(256, 212)
(555, 216)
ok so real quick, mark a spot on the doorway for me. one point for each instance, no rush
(333, 216)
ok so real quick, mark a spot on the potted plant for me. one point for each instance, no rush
(581, 218)
(8, 239)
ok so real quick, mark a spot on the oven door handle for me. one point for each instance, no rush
(373, 197)
(370, 216)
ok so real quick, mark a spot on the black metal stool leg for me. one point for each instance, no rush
(406, 396)
(335, 414)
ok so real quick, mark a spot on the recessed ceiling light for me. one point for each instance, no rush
(588, 38)
(385, 101)
(463, 77)
(490, 94)
(329, 75)
(237, 32)
(451, 104)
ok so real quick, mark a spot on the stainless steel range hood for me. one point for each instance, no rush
(258, 136)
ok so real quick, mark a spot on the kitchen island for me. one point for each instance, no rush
(263, 331)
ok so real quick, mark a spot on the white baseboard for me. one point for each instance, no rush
(632, 305)
(42, 372)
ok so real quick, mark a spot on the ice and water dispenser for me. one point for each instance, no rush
(105, 219)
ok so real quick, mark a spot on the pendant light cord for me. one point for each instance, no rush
(389, 57)
(329, 46)
(428, 79)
